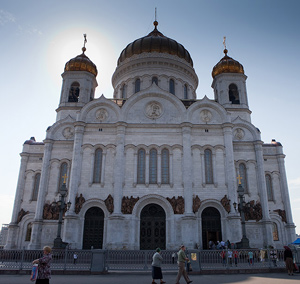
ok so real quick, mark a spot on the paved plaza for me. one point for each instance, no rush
(137, 278)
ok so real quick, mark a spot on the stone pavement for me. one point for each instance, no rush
(142, 278)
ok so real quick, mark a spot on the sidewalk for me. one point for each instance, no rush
(136, 278)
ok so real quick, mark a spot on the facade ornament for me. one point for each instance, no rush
(196, 203)
(102, 114)
(68, 132)
(79, 200)
(177, 204)
(253, 211)
(226, 203)
(282, 214)
(153, 110)
(239, 134)
(205, 115)
(128, 204)
(21, 214)
(109, 202)
(51, 211)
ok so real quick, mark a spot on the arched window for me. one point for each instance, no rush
(234, 94)
(172, 87)
(62, 174)
(123, 91)
(137, 85)
(243, 174)
(275, 232)
(36, 185)
(269, 187)
(208, 166)
(74, 93)
(98, 166)
(185, 92)
(155, 80)
(165, 167)
(28, 233)
(153, 166)
(141, 169)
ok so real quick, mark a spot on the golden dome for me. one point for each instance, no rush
(227, 65)
(155, 42)
(81, 63)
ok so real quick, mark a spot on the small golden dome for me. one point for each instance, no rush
(81, 63)
(227, 65)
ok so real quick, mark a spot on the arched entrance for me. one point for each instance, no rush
(211, 226)
(93, 228)
(153, 227)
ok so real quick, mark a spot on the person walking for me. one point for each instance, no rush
(156, 267)
(44, 271)
(75, 257)
(288, 258)
(181, 266)
(173, 257)
(273, 255)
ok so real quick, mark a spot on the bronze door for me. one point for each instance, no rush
(153, 227)
(93, 228)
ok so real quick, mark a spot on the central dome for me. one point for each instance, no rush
(155, 42)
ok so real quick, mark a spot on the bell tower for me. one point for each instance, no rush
(79, 84)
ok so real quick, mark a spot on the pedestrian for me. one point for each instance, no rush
(75, 257)
(173, 257)
(250, 255)
(273, 255)
(236, 256)
(156, 267)
(229, 255)
(288, 258)
(44, 271)
(223, 256)
(181, 266)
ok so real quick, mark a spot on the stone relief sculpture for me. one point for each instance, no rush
(21, 214)
(282, 214)
(68, 132)
(102, 114)
(51, 211)
(153, 110)
(79, 200)
(253, 211)
(196, 203)
(109, 202)
(226, 203)
(128, 204)
(239, 134)
(177, 204)
(205, 115)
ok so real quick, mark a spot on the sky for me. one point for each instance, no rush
(38, 37)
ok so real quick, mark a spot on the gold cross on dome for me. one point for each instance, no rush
(224, 42)
(64, 177)
(239, 178)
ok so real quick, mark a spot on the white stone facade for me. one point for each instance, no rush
(152, 118)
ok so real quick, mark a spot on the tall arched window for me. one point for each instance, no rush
(62, 174)
(153, 166)
(275, 232)
(36, 185)
(165, 167)
(74, 92)
(243, 174)
(98, 166)
(141, 169)
(172, 86)
(185, 92)
(269, 187)
(123, 91)
(28, 233)
(234, 94)
(155, 80)
(137, 85)
(208, 166)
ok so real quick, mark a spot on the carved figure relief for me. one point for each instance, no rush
(51, 211)
(109, 202)
(282, 214)
(79, 200)
(102, 114)
(196, 203)
(239, 134)
(153, 110)
(128, 204)
(68, 132)
(226, 203)
(253, 211)
(21, 214)
(177, 204)
(206, 115)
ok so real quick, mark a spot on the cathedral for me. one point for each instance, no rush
(153, 166)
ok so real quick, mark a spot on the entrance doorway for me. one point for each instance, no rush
(93, 228)
(211, 226)
(153, 227)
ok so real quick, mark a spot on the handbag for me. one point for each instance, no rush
(34, 272)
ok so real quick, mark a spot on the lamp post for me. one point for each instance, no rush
(244, 243)
(58, 243)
